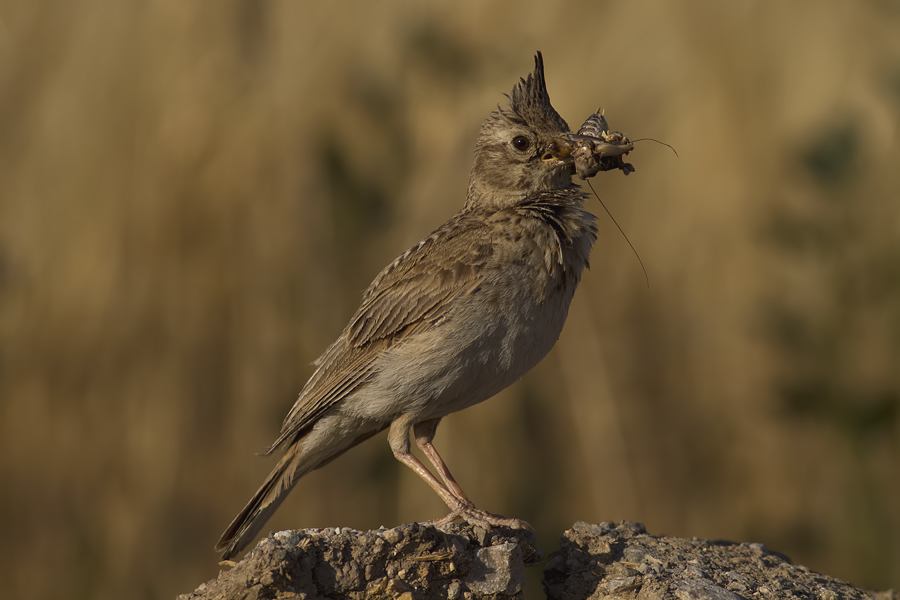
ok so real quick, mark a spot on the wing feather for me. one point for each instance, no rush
(412, 293)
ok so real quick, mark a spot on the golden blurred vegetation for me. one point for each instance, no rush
(194, 194)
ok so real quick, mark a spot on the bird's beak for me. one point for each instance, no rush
(559, 149)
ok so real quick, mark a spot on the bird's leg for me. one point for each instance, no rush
(398, 438)
(460, 506)
(424, 434)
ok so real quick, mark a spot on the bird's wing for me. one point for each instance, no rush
(412, 293)
(418, 287)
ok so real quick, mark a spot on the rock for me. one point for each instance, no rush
(497, 570)
(462, 562)
(411, 562)
(623, 561)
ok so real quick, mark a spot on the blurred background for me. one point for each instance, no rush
(194, 194)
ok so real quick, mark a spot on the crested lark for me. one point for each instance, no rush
(455, 319)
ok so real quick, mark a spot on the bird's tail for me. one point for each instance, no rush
(301, 457)
(264, 502)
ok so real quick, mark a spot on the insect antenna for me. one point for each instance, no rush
(638, 256)
(658, 142)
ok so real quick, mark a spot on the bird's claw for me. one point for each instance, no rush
(481, 518)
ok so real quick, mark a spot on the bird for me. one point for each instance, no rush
(452, 321)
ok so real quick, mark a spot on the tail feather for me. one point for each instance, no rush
(265, 501)
(300, 458)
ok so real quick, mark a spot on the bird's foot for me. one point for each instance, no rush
(482, 518)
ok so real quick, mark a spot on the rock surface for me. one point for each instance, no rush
(411, 562)
(623, 561)
(416, 562)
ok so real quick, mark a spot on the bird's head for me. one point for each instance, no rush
(522, 149)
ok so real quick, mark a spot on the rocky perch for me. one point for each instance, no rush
(416, 562)
(409, 562)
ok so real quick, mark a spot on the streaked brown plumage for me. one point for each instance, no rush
(452, 321)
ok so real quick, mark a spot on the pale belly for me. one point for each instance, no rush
(476, 352)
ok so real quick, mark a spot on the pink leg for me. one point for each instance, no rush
(398, 438)
(424, 433)
(450, 492)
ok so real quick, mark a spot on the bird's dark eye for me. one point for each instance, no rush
(521, 143)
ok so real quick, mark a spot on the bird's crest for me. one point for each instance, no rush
(530, 102)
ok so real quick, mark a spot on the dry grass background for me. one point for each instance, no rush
(193, 195)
